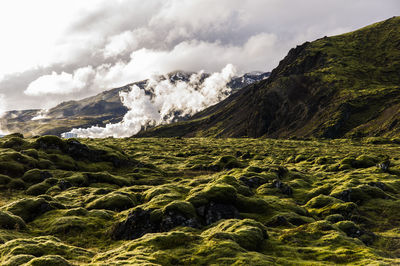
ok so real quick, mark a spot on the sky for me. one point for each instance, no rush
(53, 51)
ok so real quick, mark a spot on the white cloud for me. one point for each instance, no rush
(3, 108)
(127, 40)
(63, 83)
(3, 104)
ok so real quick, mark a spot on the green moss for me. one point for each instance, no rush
(304, 227)
(248, 233)
(217, 193)
(321, 201)
(348, 227)
(18, 260)
(180, 206)
(4, 180)
(227, 162)
(42, 247)
(31, 152)
(11, 168)
(49, 260)
(35, 176)
(115, 201)
(78, 179)
(11, 221)
(252, 205)
(365, 161)
(16, 184)
(15, 143)
(28, 209)
(105, 177)
(49, 143)
(38, 189)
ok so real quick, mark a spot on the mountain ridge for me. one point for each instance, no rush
(342, 86)
(101, 109)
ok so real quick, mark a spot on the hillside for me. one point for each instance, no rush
(340, 86)
(199, 201)
(101, 109)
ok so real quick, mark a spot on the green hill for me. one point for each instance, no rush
(340, 86)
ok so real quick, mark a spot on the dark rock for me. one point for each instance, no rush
(174, 219)
(64, 184)
(282, 171)
(353, 230)
(384, 165)
(140, 222)
(214, 212)
(247, 155)
(136, 225)
(378, 185)
(253, 182)
(284, 188)
(278, 220)
(345, 195)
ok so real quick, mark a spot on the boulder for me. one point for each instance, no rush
(11, 221)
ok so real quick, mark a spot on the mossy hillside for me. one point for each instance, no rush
(333, 87)
(283, 202)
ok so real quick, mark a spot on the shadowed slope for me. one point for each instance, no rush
(339, 86)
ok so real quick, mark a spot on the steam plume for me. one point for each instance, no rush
(168, 102)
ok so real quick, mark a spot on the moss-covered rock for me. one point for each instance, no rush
(115, 201)
(11, 221)
(252, 204)
(78, 179)
(4, 180)
(226, 162)
(105, 177)
(14, 143)
(17, 184)
(55, 260)
(50, 143)
(38, 189)
(11, 168)
(180, 206)
(350, 228)
(248, 233)
(40, 247)
(321, 201)
(18, 260)
(35, 176)
(213, 192)
(30, 208)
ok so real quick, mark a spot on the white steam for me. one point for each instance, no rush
(41, 114)
(3, 108)
(168, 102)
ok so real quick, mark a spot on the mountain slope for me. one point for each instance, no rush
(101, 109)
(346, 85)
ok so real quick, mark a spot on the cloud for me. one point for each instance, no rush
(127, 40)
(144, 63)
(63, 83)
(3, 104)
(168, 102)
(3, 108)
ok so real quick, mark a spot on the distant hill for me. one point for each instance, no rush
(341, 86)
(100, 109)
